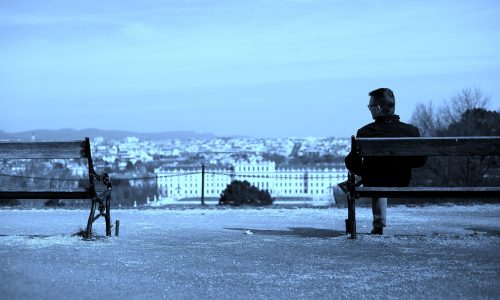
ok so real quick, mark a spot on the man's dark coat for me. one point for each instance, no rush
(385, 171)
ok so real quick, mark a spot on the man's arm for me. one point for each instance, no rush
(354, 163)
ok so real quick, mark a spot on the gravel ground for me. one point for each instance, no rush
(426, 252)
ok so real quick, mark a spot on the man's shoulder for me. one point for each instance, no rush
(366, 130)
(410, 128)
(396, 129)
(367, 126)
(406, 125)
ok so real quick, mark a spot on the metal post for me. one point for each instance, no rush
(202, 184)
(117, 228)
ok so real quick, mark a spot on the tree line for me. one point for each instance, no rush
(465, 114)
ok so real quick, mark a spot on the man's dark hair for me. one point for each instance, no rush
(385, 98)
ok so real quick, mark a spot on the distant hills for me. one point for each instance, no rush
(72, 134)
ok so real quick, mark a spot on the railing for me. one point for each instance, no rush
(305, 177)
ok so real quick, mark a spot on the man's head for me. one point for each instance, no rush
(382, 102)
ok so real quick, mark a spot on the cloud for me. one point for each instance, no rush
(141, 31)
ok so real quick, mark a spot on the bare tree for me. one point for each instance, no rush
(425, 118)
(464, 114)
(431, 120)
(467, 99)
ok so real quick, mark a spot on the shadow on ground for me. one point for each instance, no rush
(305, 232)
(485, 230)
(30, 236)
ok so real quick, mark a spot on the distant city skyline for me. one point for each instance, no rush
(260, 68)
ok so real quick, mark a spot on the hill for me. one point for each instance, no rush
(72, 134)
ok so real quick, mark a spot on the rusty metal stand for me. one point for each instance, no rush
(104, 202)
(103, 198)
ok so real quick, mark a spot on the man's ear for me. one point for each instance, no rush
(384, 110)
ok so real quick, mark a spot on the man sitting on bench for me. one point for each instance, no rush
(384, 171)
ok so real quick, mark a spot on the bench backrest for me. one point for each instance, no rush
(49, 150)
(427, 146)
(45, 150)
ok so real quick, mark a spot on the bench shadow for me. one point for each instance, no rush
(41, 236)
(30, 236)
(487, 231)
(305, 232)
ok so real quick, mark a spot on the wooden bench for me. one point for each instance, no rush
(422, 146)
(100, 199)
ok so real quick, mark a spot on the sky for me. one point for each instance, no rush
(259, 68)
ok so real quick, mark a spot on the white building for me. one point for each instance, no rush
(314, 183)
(178, 183)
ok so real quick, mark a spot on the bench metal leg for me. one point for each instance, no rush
(107, 215)
(351, 207)
(351, 217)
(91, 218)
(104, 211)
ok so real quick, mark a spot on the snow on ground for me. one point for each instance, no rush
(430, 251)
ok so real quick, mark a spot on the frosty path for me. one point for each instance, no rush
(434, 251)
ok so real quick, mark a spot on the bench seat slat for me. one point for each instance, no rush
(81, 194)
(429, 146)
(42, 150)
(429, 192)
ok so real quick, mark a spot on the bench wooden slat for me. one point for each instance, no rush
(42, 150)
(429, 146)
(429, 192)
(44, 195)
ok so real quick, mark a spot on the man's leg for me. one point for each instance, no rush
(379, 209)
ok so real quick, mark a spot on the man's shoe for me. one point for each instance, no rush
(377, 230)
